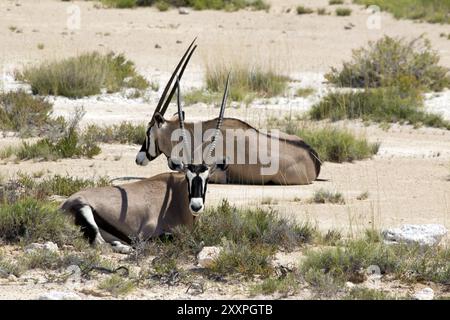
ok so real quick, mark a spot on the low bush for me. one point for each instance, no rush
(390, 61)
(84, 75)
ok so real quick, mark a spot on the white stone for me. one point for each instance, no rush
(350, 285)
(49, 246)
(424, 294)
(59, 295)
(207, 256)
(422, 234)
(183, 11)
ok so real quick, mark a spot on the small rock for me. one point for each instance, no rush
(424, 294)
(12, 277)
(422, 234)
(350, 285)
(207, 256)
(183, 11)
(179, 41)
(157, 46)
(195, 288)
(59, 295)
(49, 246)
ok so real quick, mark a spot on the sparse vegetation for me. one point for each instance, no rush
(244, 258)
(30, 220)
(332, 144)
(246, 83)
(24, 113)
(350, 262)
(390, 61)
(284, 286)
(322, 11)
(338, 145)
(304, 92)
(304, 10)
(335, 2)
(62, 141)
(367, 294)
(117, 285)
(69, 146)
(387, 105)
(228, 5)
(84, 75)
(326, 196)
(363, 196)
(433, 11)
(249, 236)
(343, 12)
(55, 185)
(124, 132)
(162, 5)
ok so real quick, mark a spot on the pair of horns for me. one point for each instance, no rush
(163, 103)
(218, 124)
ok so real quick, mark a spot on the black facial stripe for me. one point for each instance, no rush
(196, 188)
(146, 147)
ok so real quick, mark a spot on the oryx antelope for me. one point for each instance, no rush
(298, 163)
(147, 208)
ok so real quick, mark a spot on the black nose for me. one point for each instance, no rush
(196, 208)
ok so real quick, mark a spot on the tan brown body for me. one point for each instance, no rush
(298, 162)
(143, 209)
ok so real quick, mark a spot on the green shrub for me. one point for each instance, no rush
(245, 259)
(338, 145)
(68, 146)
(283, 285)
(351, 260)
(258, 226)
(304, 92)
(304, 10)
(343, 12)
(117, 285)
(334, 2)
(246, 82)
(24, 113)
(390, 61)
(433, 11)
(228, 5)
(56, 185)
(125, 132)
(83, 75)
(325, 196)
(120, 4)
(162, 5)
(392, 104)
(332, 144)
(30, 220)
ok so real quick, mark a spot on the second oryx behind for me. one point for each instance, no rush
(294, 162)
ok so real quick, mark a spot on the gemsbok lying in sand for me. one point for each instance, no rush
(295, 162)
(147, 208)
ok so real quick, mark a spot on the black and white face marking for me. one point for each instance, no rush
(197, 178)
(149, 149)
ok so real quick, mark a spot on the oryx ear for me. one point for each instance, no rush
(159, 119)
(182, 114)
(175, 164)
(221, 164)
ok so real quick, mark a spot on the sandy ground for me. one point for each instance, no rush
(408, 181)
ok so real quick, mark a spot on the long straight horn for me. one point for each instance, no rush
(181, 119)
(172, 92)
(220, 119)
(188, 54)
